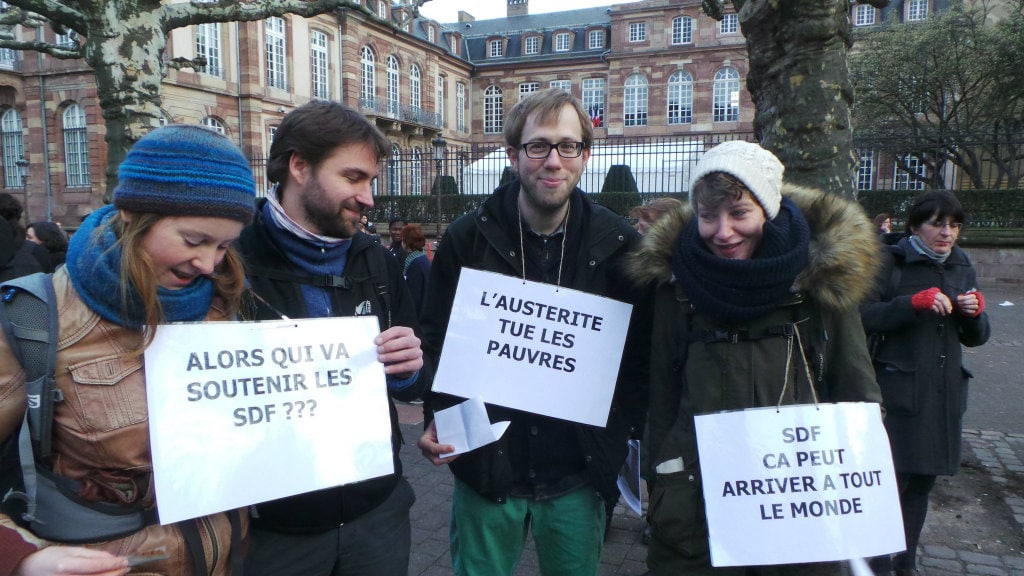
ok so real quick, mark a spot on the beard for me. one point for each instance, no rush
(330, 219)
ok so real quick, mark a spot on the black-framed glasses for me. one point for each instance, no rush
(541, 149)
(940, 224)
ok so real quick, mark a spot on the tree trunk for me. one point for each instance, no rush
(125, 50)
(799, 83)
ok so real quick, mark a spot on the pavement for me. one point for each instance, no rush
(975, 524)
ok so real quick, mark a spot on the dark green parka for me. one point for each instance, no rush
(699, 366)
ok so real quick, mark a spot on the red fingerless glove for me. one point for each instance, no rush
(923, 300)
(981, 305)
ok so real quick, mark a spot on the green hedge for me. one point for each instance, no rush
(984, 208)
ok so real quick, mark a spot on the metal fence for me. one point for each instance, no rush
(629, 171)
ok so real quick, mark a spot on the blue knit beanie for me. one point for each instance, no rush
(181, 170)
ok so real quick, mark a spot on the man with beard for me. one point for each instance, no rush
(304, 259)
(544, 475)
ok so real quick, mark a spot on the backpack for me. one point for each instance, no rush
(32, 495)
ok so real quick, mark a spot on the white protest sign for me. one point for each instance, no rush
(246, 412)
(534, 347)
(798, 484)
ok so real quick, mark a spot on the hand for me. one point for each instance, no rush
(970, 303)
(398, 349)
(432, 449)
(72, 561)
(932, 300)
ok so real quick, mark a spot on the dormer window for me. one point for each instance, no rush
(531, 45)
(495, 48)
(563, 41)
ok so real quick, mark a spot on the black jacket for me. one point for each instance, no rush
(369, 267)
(488, 239)
(919, 361)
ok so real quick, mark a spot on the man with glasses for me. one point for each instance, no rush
(546, 475)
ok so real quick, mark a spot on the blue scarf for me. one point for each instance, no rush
(924, 250)
(94, 265)
(734, 292)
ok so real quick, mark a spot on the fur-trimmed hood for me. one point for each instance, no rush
(844, 253)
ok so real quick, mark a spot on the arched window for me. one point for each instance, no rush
(13, 148)
(635, 101)
(494, 110)
(393, 90)
(213, 124)
(415, 89)
(726, 96)
(680, 98)
(368, 93)
(76, 147)
(395, 171)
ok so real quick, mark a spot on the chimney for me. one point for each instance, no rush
(465, 17)
(517, 8)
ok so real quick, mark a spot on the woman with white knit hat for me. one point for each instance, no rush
(738, 272)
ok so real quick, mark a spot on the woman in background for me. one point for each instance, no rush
(924, 308)
(50, 236)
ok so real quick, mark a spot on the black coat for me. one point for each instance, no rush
(326, 509)
(488, 239)
(919, 360)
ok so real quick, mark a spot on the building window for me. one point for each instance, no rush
(494, 112)
(595, 39)
(563, 84)
(901, 178)
(680, 98)
(637, 31)
(415, 88)
(393, 90)
(320, 65)
(635, 101)
(430, 34)
(276, 71)
(454, 42)
(562, 42)
(416, 173)
(439, 89)
(496, 46)
(917, 10)
(593, 100)
(14, 149)
(527, 88)
(212, 123)
(531, 45)
(368, 91)
(866, 170)
(382, 10)
(208, 46)
(864, 15)
(682, 30)
(8, 59)
(76, 147)
(730, 24)
(69, 40)
(726, 96)
(395, 171)
(460, 107)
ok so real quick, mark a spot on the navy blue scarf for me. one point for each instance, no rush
(94, 265)
(734, 292)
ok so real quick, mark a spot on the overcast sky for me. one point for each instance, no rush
(448, 10)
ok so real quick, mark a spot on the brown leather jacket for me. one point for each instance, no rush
(101, 433)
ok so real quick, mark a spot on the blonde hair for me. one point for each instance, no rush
(137, 272)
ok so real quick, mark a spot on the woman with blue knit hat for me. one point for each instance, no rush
(161, 253)
(748, 265)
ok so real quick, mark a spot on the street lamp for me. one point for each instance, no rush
(439, 145)
(22, 164)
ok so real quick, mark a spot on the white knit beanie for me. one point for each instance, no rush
(758, 169)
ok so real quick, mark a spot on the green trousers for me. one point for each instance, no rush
(487, 538)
